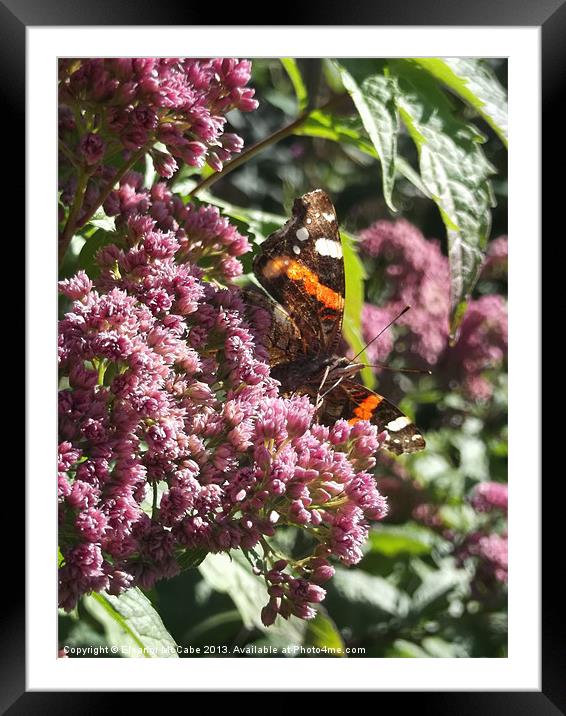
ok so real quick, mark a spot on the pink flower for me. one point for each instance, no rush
(167, 385)
(482, 345)
(416, 274)
(490, 496)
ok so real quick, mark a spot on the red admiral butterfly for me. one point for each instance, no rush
(301, 266)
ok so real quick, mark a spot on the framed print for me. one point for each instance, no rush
(272, 344)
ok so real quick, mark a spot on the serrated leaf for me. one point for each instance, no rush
(375, 101)
(324, 125)
(454, 170)
(475, 83)
(292, 69)
(132, 624)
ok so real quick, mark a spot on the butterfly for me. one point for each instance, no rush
(301, 267)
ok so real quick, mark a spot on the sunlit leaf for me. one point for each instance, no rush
(454, 170)
(375, 101)
(476, 84)
(132, 625)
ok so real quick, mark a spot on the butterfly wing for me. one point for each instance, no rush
(301, 266)
(354, 402)
(277, 331)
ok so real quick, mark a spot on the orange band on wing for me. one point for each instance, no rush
(298, 272)
(366, 409)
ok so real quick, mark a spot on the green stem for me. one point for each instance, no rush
(69, 154)
(103, 365)
(154, 503)
(71, 225)
(255, 149)
(69, 230)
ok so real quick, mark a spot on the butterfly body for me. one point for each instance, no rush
(301, 267)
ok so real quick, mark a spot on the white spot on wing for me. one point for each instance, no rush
(329, 217)
(327, 247)
(296, 250)
(302, 234)
(309, 220)
(398, 424)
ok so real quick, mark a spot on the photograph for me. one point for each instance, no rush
(283, 323)
(282, 357)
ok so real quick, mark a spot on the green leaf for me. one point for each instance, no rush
(375, 101)
(404, 649)
(101, 220)
(322, 632)
(232, 575)
(87, 256)
(365, 591)
(191, 558)
(474, 461)
(326, 126)
(352, 327)
(391, 540)
(131, 624)
(436, 585)
(294, 73)
(461, 518)
(475, 83)
(442, 649)
(455, 172)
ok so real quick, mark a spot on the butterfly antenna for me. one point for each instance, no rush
(391, 322)
(422, 371)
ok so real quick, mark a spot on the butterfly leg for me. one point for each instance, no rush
(320, 398)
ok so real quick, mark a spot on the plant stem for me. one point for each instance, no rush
(71, 225)
(69, 230)
(115, 179)
(154, 502)
(67, 152)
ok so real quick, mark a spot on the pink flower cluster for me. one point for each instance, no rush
(413, 271)
(489, 496)
(174, 108)
(174, 439)
(491, 553)
(482, 345)
(495, 265)
(415, 274)
(206, 238)
(486, 546)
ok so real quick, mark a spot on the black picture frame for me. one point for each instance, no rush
(550, 16)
